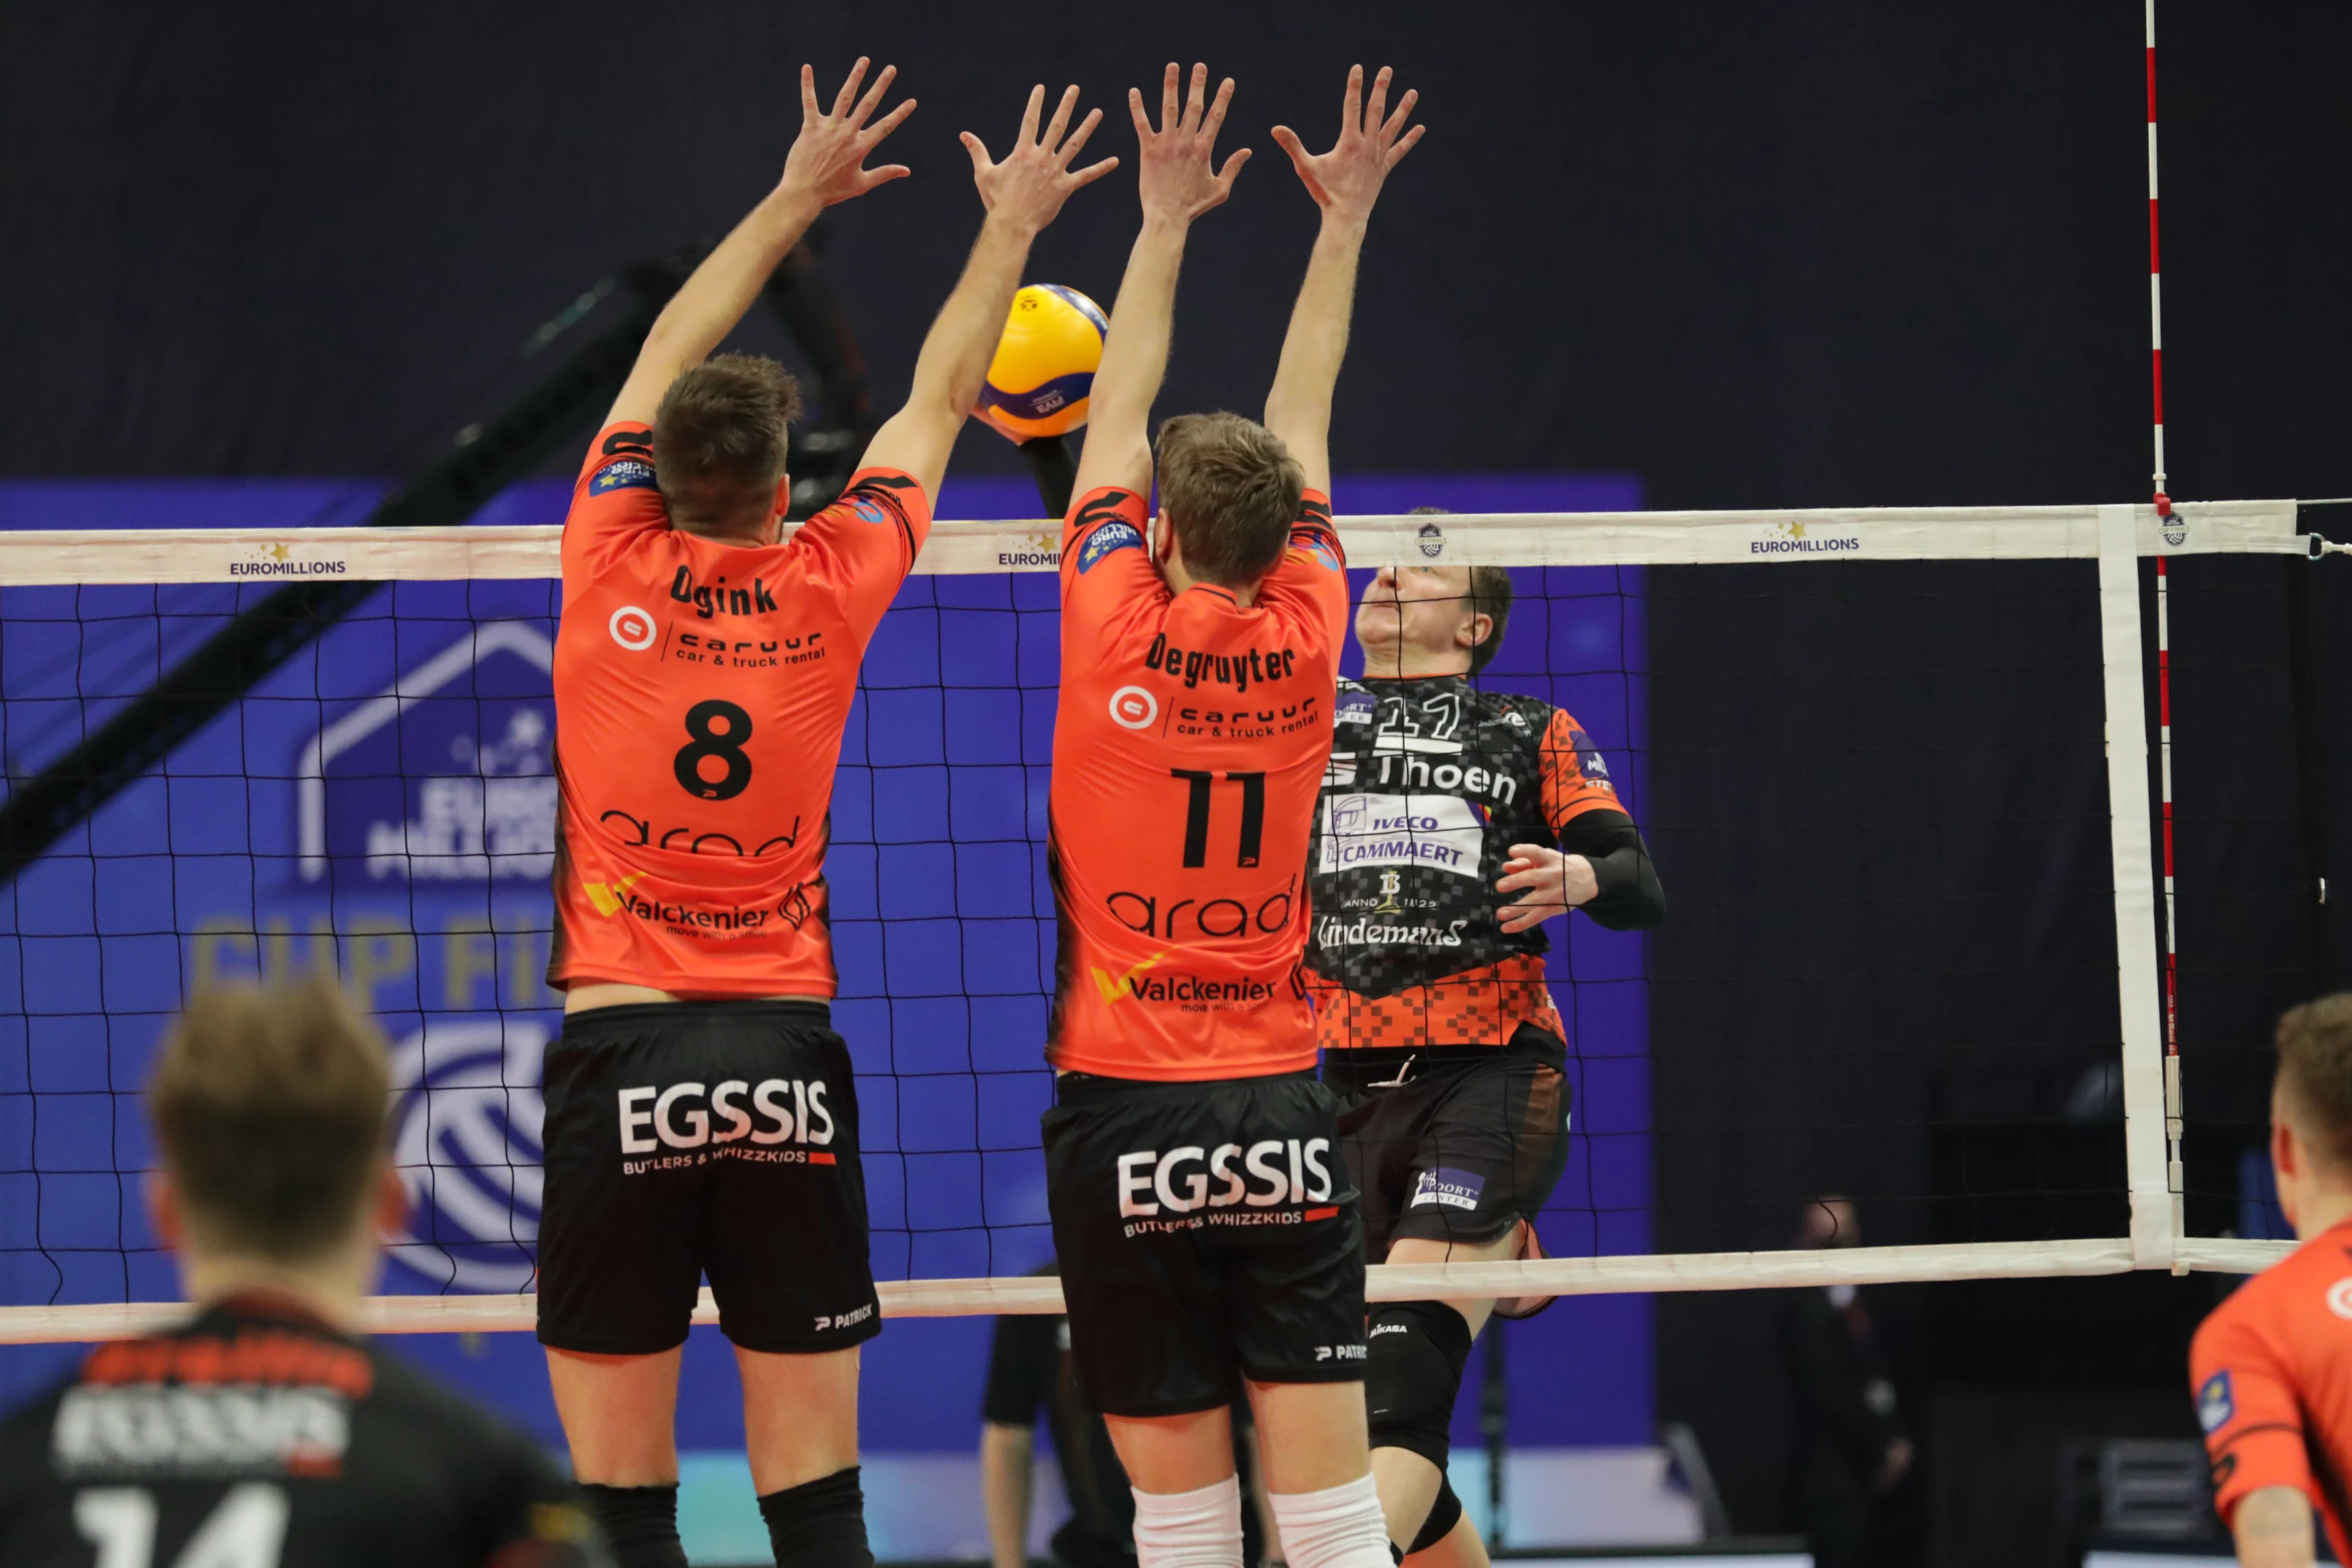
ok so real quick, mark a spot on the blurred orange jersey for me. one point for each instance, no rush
(2272, 1368)
(1189, 747)
(700, 691)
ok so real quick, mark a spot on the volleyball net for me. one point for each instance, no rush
(380, 806)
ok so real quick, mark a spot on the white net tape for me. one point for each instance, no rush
(2115, 536)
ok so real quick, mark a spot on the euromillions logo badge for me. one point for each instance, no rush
(467, 1139)
(1391, 884)
(447, 776)
(1433, 541)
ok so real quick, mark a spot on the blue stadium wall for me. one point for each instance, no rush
(283, 830)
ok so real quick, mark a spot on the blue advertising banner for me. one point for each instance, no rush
(383, 808)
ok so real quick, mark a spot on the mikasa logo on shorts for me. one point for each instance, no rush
(1274, 1174)
(750, 1122)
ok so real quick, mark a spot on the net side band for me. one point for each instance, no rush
(1385, 1283)
(34, 557)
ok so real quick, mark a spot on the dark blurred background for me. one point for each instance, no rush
(1757, 255)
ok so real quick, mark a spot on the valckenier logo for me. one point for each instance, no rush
(276, 560)
(1117, 988)
(1793, 538)
(610, 898)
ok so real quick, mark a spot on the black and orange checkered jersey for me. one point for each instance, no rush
(2271, 1371)
(1189, 744)
(700, 691)
(1432, 781)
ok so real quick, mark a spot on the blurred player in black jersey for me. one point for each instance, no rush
(1454, 821)
(262, 1433)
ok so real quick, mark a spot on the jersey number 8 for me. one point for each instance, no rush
(709, 744)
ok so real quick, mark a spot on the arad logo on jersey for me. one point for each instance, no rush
(624, 474)
(2215, 1407)
(777, 1121)
(1186, 1189)
(1110, 536)
(632, 628)
(1453, 1189)
(467, 1132)
(1133, 708)
(1189, 919)
(1439, 831)
(868, 510)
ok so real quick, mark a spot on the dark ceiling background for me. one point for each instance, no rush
(1762, 255)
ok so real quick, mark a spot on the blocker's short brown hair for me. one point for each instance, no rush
(719, 442)
(2314, 1074)
(270, 1106)
(1231, 490)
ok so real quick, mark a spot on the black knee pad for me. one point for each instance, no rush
(819, 1523)
(1444, 1515)
(1416, 1354)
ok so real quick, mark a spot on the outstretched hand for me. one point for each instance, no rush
(828, 158)
(1550, 883)
(1177, 179)
(1029, 187)
(1346, 181)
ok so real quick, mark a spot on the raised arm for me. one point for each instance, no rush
(1177, 184)
(1345, 182)
(825, 165)
(1023, 194)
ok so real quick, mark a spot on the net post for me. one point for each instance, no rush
(2155, 1215)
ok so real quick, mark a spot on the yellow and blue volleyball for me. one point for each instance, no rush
(1045, 364)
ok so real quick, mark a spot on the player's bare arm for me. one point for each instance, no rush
(1345, 182)
(1023, 193)
(826, 165)
(2273, 1530)
(1178, 180)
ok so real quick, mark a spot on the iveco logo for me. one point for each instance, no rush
(1133, 708)
(632, 628)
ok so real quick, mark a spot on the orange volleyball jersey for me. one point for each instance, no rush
(2272, 1369)
(1189, 747)
(700, 691)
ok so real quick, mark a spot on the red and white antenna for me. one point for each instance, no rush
(2172, 1104)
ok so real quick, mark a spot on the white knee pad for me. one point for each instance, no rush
(1338, 1528)
(1193, 1530)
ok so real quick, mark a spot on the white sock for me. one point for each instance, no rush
(1193, 1530)
(1340, 1528)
